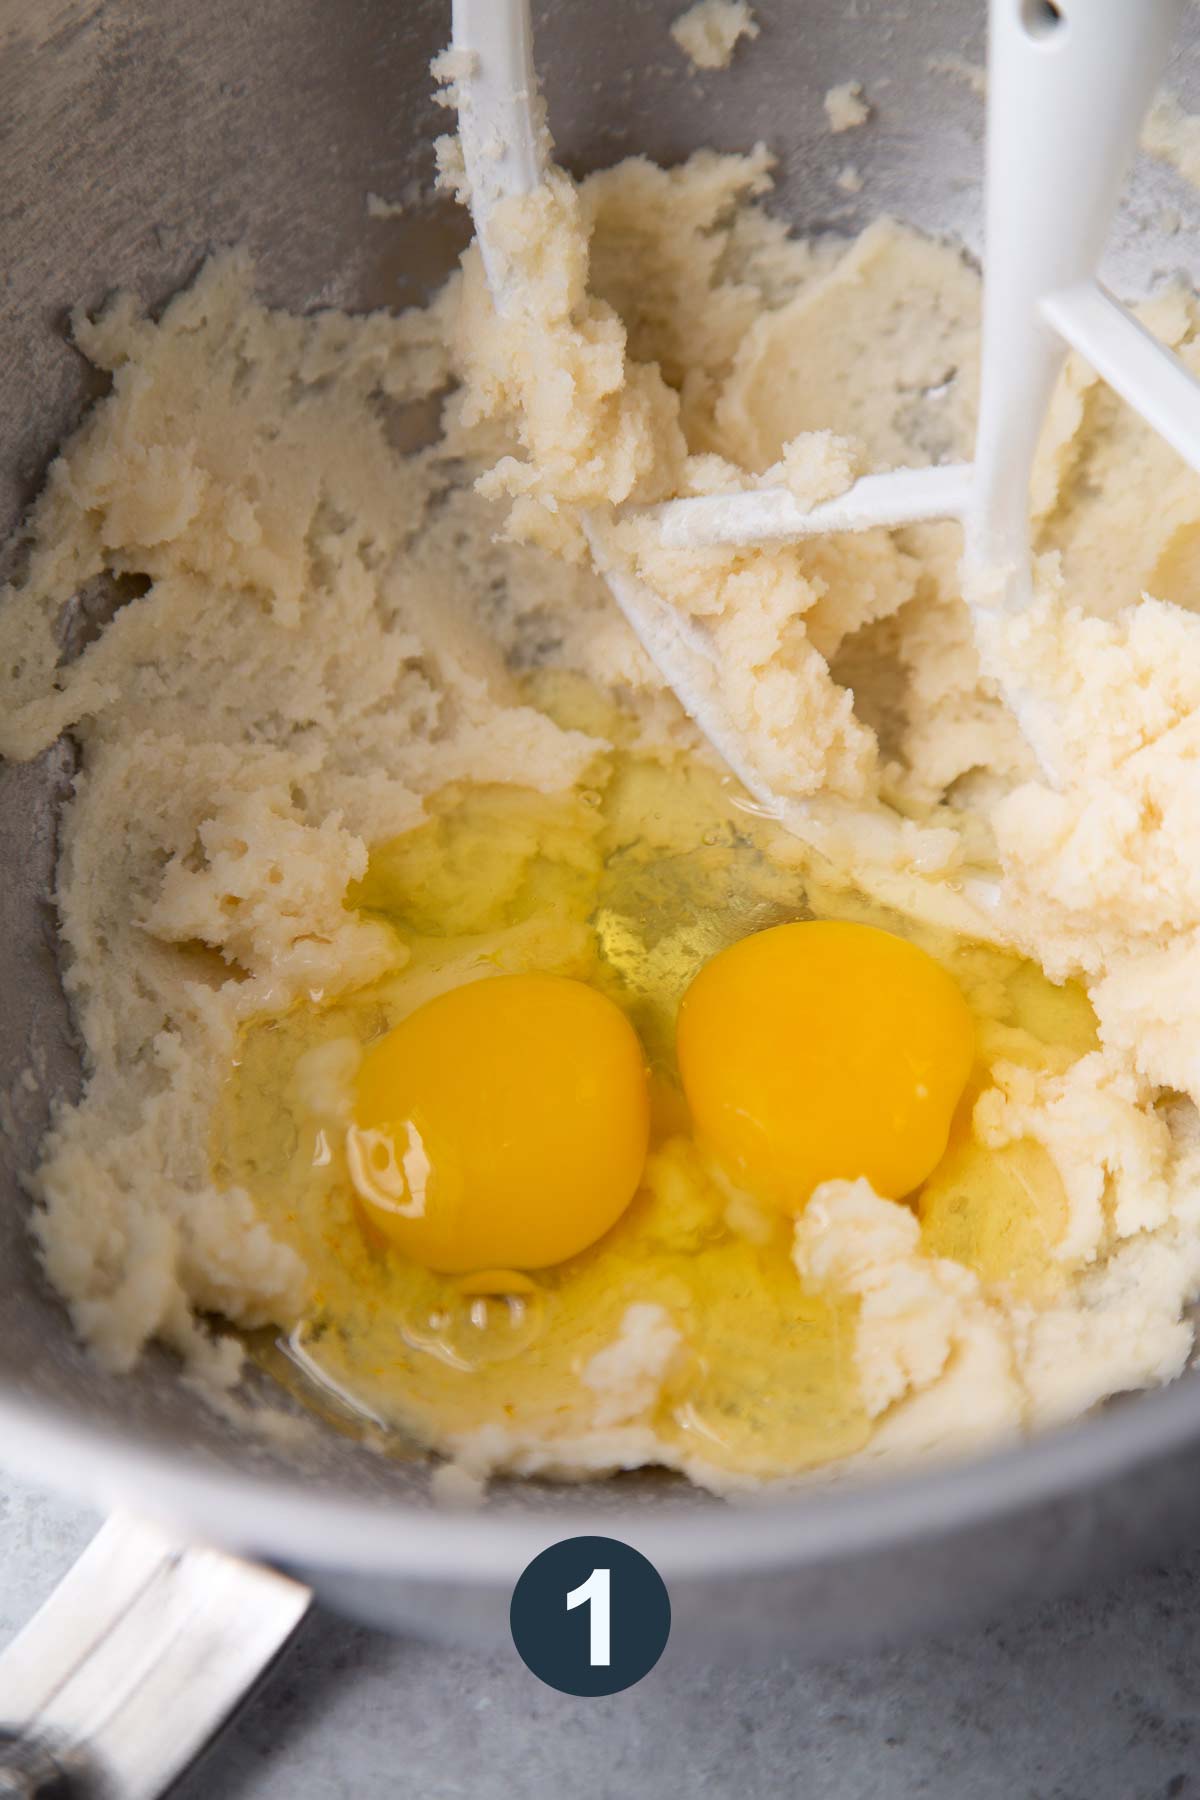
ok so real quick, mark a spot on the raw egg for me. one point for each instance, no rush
(824, 1049)
(503, 1125)
(625, 893)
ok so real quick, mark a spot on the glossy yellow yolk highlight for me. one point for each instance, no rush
(823, 1050)
(502, 1125)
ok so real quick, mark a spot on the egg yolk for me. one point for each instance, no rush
(501, 1125)
(820, 1050)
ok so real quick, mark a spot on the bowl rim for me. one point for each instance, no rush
(277, 1520)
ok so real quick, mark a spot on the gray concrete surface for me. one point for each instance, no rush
(1093, 1699)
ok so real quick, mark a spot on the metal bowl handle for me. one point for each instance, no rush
(138, 1657)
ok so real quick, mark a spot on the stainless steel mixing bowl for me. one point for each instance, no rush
(136, 134)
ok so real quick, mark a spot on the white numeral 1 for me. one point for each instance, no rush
(594, 1594)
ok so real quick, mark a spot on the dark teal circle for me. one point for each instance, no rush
(555, 1642)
